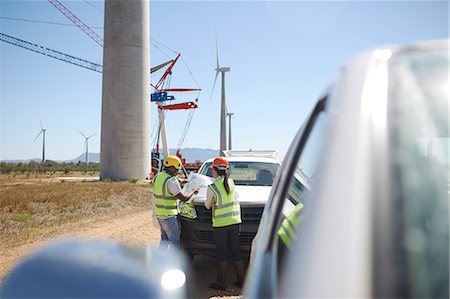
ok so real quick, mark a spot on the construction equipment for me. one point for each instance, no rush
(62, 56)
(77, 21)
(51, 53)
(161, 96)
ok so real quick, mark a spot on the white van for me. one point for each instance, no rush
(253, 173)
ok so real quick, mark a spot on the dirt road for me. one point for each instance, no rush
(133, 229)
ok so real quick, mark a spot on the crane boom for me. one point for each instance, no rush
(61, 56)
(51, 53)
(77, 21)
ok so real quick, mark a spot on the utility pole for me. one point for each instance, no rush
(229, 130)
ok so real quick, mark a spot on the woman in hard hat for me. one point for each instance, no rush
(166, 191)
(226, 219)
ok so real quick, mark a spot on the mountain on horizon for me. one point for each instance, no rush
(93, 157)
(190, 154)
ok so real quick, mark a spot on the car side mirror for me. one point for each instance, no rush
(94, 269)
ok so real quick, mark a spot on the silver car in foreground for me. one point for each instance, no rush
(369, 168)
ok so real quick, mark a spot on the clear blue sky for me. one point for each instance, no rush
(281, 55)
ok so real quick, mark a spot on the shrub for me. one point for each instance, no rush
(66, 169)
(132, 181)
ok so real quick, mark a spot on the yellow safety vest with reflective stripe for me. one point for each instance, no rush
(289, 226)
(166, 203)
(227, 210)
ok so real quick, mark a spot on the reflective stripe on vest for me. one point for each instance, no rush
(166, 204)
(289, 226)
(227, 210)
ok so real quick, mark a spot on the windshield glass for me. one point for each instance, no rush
(248, 173)
(419, 90)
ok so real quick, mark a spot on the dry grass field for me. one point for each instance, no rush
(36, 209)
(37, 206)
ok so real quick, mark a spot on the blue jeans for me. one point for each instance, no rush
(170, 232)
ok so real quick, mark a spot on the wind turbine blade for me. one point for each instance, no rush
(91, 136)
(37, 136)
(81, 133)
(214, 85)
(158, 67)
(40, 121)
(217, 54)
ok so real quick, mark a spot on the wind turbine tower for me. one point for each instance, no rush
(229, 130)
(43, 131)
(223, 105)
(86, 144)
(125, 130)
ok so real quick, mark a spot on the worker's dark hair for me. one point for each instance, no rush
(224, 173)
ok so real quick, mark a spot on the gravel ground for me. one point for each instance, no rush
(133, 229)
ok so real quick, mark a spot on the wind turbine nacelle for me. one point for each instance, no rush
(223, 69)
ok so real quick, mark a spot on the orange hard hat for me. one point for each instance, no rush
(219, 162)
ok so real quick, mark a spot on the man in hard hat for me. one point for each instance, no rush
(166, 192)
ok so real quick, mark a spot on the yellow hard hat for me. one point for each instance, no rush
(172, 160)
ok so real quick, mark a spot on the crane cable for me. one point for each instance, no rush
(160, 43)
(175, 52)
(44, 22)
(92, 5)
(152, 41)
(186, 128)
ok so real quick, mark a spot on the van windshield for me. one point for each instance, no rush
(248, 173)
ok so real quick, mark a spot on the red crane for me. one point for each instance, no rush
(160, 96)
(77, 21)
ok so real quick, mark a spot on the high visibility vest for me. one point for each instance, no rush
(166, 203)
(289, 226)
(227, 210)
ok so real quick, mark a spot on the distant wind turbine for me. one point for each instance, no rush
(86, 144)
(223, 105)
(43, 131)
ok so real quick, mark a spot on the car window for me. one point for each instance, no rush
(419, 91)
(248, 173)
(300, 185)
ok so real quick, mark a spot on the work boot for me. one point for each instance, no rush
(220, 284)
(239, 268)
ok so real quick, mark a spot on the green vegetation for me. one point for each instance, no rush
(132, 181)
(21, 217)
(50, 167)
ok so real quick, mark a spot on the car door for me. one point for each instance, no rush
(287, 206)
